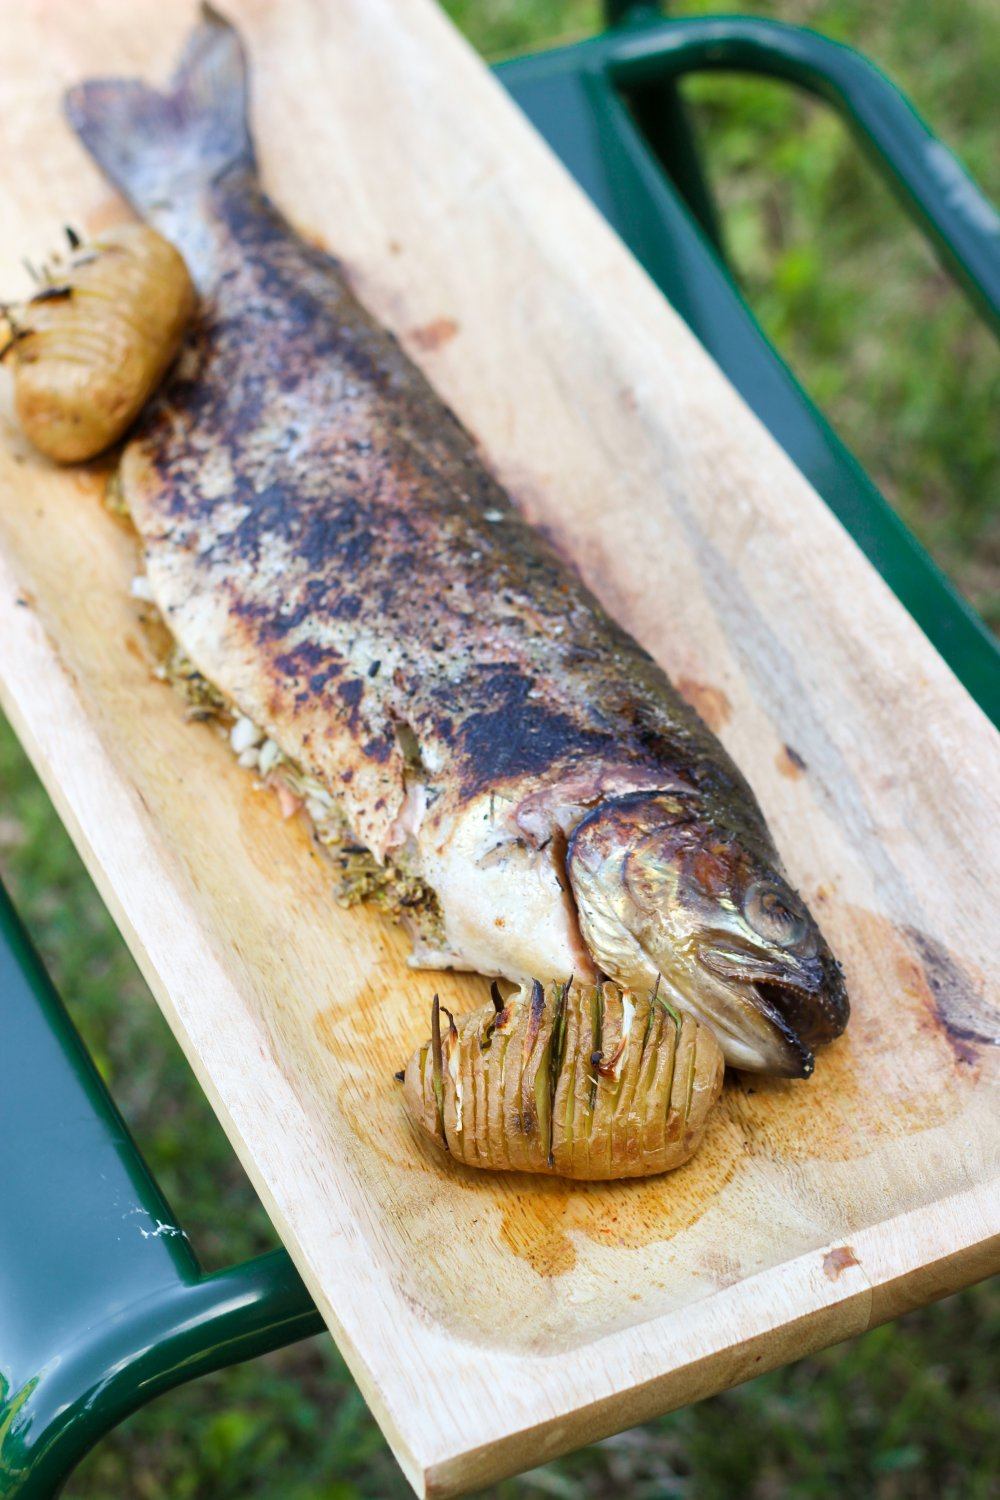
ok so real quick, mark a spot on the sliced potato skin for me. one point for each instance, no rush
(591, 1083)
(91, 347)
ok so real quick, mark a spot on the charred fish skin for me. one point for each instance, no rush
(327, 545)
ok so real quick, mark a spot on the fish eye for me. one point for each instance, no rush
(766, 908)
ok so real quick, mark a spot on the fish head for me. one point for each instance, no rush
(668, 894)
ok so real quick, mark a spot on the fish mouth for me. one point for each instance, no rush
(750, 1021)
(786, 1053)
(783, 1009)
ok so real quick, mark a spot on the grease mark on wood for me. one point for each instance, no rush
(790, 763)
(548, 1223)
(711, 703)
(967, 1019)
(837, 1260)
(431, 336)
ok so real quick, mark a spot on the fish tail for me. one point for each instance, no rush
(162, 148)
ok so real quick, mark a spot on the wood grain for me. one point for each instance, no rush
(493, 1323)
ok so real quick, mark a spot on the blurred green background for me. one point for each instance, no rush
(878, 335)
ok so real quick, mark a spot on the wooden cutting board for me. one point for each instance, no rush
(494, 1322)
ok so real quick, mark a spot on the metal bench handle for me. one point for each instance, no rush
(103, 1304)
(933, 185)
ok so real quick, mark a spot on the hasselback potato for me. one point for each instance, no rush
(93, 343)
(583, 1081)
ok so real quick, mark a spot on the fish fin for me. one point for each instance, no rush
(159, 148)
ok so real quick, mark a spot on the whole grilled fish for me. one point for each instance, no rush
(333, 557)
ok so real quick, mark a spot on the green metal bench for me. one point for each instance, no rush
(103, 1303)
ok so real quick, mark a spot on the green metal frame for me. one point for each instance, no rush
(102, 1302)
(603, 102)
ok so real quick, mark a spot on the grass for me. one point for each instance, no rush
(848, 290)
(879, 336)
